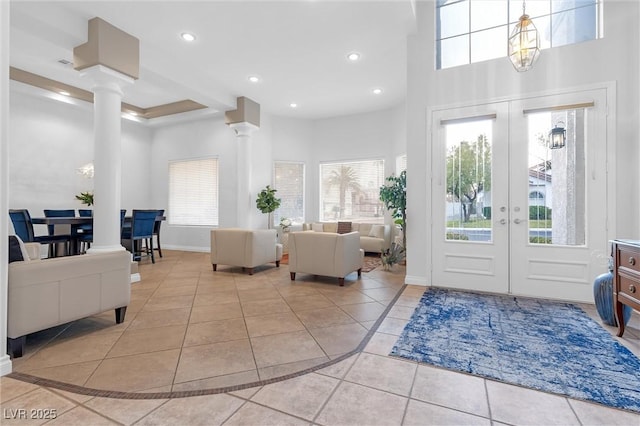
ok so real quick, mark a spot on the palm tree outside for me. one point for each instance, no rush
(346, 179)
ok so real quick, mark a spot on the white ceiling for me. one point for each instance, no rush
(298, 48)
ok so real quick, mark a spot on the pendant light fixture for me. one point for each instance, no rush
(558, 136)
(524, 43)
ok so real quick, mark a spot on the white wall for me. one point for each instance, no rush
(49, 140)
(613, 58)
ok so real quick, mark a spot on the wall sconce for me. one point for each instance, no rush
(558, 136)
(524, 43)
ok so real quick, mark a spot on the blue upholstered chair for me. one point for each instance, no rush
(156, 231)
(142, 224)
(23, 226)
(85, 232)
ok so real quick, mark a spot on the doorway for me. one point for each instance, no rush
(512, 212)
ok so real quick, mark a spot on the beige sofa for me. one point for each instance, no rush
(373, 238)
(49, 292)
(247, 248)
(324, 253)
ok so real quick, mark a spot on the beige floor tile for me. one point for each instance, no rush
(215, 331)
(75, 374)
(408, 301)
(221, 312)
(414, 290)
(383, 373)
(264, 307)
(80, 416)
(339, 369)
(353, 404)
(422, 414)
(197, 410)
(166, 291)
(346, 297)
(216, 359)
(252, 414)
(125, 411)
(234, 379)
(264, 325)
(246, 393)
(385, 293)
(289, 290)
(76, 398)
(285, 348)
(281, 370)
(516, 405)
(596, 414)
(314, 301)
(401, 312)
(136, 372)
(149, 340)
(166, 303)
(368, 324)
(339, 339)
(392, 326)
(381, 344)
(252, 283)
(325, 317)
(97, 324)
(258, 294)
(216, 298)
(450, 389)
(12, 388)
(311, 390)
(160, 318)
(31, 407)
(369, 311)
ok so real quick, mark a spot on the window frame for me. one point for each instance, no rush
(171, 211)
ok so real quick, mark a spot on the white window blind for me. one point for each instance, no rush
(401, 164)
(193, 192)
(288, 179)
(351, 191)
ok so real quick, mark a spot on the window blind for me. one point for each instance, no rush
(193, 192)
(288, 179)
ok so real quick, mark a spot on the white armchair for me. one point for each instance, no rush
(49, 292)
(247, 248)
(324, 253)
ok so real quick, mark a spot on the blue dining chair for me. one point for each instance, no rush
(85, 235)
(60, 229)
(23, 226)
(142, 223)
(156, 231)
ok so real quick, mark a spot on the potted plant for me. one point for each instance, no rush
(267, 202)
(394, 197)
(392, 256)
(86, 198)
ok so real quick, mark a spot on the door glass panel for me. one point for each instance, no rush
(557, 192)
(468, 181)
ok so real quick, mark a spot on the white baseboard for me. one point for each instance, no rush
(415, 280)
(5, 365)
(187, 248)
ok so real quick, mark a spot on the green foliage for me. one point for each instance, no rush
(456, 236)
(539, 212)
(540, 240)
(345, 178)
(392, 256)
(86, 198)
(486, 212)
(267, 201)
(394, 197)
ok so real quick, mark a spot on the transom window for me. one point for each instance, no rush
(193, 192)
(469, 31)
(351, 191)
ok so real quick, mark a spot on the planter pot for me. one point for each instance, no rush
(603, 296)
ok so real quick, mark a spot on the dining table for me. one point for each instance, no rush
(76, 222)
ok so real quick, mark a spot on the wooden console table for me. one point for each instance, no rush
(626, 277)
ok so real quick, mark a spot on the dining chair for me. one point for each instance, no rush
(156, 231)
(23, 226)
(65, 230)
(85, 236)
(142, 222)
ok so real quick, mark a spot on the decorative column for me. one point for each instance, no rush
(107, 154)
(110, 59)
(244, 121)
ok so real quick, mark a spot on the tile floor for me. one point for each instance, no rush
(189, 329)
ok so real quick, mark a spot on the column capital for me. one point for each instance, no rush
(106, 78)
(244, 128)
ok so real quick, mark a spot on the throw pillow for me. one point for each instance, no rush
(317, 227)
(344, 227)
(15, 253)
(377, 231)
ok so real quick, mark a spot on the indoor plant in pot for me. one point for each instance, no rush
(267, 202)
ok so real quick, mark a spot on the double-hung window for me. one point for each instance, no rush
(193, 192)
(288, 180)
(351, 191)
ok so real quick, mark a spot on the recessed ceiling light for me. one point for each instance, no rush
(353, 56)
(188, 37)
(64, 93)
(376, 91)
(293, 105)
(253, 78)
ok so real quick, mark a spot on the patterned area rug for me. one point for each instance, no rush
(370, 262)
(550, 346)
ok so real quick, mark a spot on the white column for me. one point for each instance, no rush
(243, 173)
(107, 156)
(5, 362)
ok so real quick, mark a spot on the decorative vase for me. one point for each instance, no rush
(603, 295)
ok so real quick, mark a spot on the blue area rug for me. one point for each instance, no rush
(550, 346)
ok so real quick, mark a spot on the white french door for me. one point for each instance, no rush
(511, 214)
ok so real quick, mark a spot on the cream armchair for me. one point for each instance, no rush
(49, 292)
(323, 253)
(247, 248)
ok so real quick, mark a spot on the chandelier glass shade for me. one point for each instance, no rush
(524, 44)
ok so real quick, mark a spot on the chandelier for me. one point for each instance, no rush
(524, 43)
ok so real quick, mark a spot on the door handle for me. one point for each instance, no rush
(503, 221)
(518, 221)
